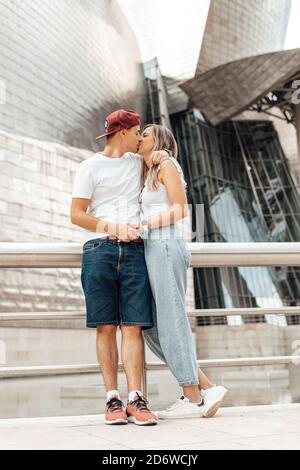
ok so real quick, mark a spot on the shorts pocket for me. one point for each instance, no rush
(92, 245)
(139, 247)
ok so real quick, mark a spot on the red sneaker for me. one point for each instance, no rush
(139, 413)
(115, 411)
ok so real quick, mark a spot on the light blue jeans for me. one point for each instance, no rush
(167, 258)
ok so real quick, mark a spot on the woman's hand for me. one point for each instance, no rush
(157, 157)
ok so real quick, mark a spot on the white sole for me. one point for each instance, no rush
(116, 421)
(212, 410)
(181, 417)
(150, 422)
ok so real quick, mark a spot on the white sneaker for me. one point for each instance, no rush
(212, 400)
(182, 408)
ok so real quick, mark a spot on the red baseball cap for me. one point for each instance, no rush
(120, 119)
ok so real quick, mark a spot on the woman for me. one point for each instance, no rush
(164, 205)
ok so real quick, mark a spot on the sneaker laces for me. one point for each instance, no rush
(140, 403)
(115, 404)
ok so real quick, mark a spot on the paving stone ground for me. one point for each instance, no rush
(252, 427)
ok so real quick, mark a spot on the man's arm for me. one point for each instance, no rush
(80, 217)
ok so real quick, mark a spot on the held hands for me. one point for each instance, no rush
(127, 232)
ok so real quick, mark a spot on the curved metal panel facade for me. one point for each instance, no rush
(65, 64)
(237, 29)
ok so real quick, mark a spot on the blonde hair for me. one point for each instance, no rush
(163, 139)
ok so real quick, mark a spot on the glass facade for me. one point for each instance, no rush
(157, 108)
(239, 172)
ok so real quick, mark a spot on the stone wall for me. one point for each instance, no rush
(36, 181)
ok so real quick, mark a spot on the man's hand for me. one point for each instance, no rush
(157, 157)
(137, 229)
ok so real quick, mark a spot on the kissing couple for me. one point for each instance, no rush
(130, 200)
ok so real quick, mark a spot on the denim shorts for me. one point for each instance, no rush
(115, 282)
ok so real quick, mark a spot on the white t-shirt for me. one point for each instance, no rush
(113, 185)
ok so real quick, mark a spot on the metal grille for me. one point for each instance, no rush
(239, 172)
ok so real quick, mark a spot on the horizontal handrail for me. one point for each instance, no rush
(216, 312)
(205, 312)
(38, 371)
(56, 255)
(50, 255)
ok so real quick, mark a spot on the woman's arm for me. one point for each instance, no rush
(172, 180)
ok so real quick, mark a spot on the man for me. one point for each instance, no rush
(105, 202)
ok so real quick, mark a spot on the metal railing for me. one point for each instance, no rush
(56, 255)
(204, 312)
(68, 255)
